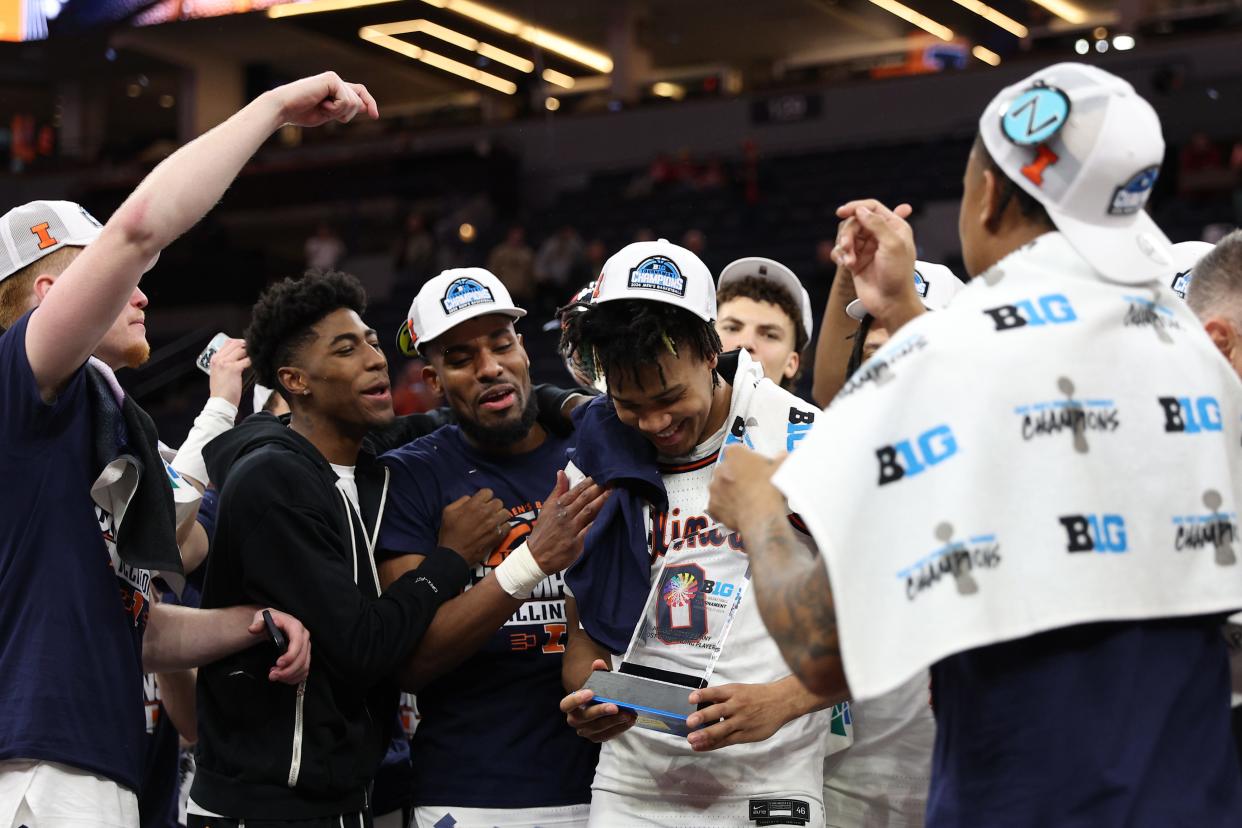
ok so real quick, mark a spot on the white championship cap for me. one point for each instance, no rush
(934, 283)
(658, 271)
(32, 231)
(447, 300)
(777, 274)
(1185, 256)
(1085, 145)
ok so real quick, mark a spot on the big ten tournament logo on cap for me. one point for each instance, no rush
(952, 558)
(910, 458)
(1068, 415)
(1131, 196)
(1053, 309)
(464, 293)
(1094, 533)
(1031, 120)
(1181, 282)
(1190, 415)
(920, 284)
(658, 273)
(1143, 312)
(1215, 528)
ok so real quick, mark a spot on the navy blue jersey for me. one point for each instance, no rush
(73, 615)
(1097, 725)
(497, 713)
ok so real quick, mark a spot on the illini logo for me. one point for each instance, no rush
(465, 293)
(658, 273)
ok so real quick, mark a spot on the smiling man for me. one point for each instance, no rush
(673, 402)
(764, 309)
(488, 671)
(299, 514)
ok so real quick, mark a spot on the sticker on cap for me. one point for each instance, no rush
(1131, 197)
(465, 293)
(658, 273)
(1036, 115)
(920, 284)
(1181, 282)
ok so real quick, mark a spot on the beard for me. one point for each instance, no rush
(135, 355)
(504, 434)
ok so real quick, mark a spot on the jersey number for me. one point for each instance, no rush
(681, 608)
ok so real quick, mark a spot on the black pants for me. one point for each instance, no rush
(356, 820)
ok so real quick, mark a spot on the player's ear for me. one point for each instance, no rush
(432, 377)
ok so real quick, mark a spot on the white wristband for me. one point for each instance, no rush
(518, 574)
(216, 418)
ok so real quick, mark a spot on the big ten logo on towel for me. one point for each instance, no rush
(1094, 533)
(800, 423)
(1053, 309)
(1215, 528)
(880, 368)
(1190, 415)
(908, 458)
(957, 559)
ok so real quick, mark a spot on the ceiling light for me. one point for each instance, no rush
(466, 232)
(563, 46)
(1082, 47)
(552, 104)
(372, 34)
(316, 6)
(458, 39)
(664, 89)
(917, 18)
(1065, 10)
(995, 17)
(986, 55)
(1123, 43)
(1101, 46)
(559, 78)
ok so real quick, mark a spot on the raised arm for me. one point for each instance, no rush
(791, 588)
(832, 349)
(72, 318)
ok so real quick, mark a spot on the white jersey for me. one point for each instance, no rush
(656, 778)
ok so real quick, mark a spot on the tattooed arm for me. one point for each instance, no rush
(792, 588)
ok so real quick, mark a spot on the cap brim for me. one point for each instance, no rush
(781, 276)
(408, 345)
(1131, 254)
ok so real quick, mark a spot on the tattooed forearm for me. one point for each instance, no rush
(796, 603)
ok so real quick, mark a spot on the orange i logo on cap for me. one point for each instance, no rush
(46, 239)
(1031, 120)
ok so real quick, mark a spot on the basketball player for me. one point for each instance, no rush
(487, 674)
(672, 403)
(71, 673)
(763, 308)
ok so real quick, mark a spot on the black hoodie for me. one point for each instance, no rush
(288, 538)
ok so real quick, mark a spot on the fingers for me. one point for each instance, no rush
(559, 489)
(368, 101)
(576, 699)
(721, 734)
(619, 724)
(296, 671)
(712, 695)
(600, 722)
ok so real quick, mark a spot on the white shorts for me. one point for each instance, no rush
(50, 795)
(565, 816)
(610, 810)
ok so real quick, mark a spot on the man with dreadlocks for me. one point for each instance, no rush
(673, 401)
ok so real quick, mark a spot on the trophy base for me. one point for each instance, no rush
(660, 705)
